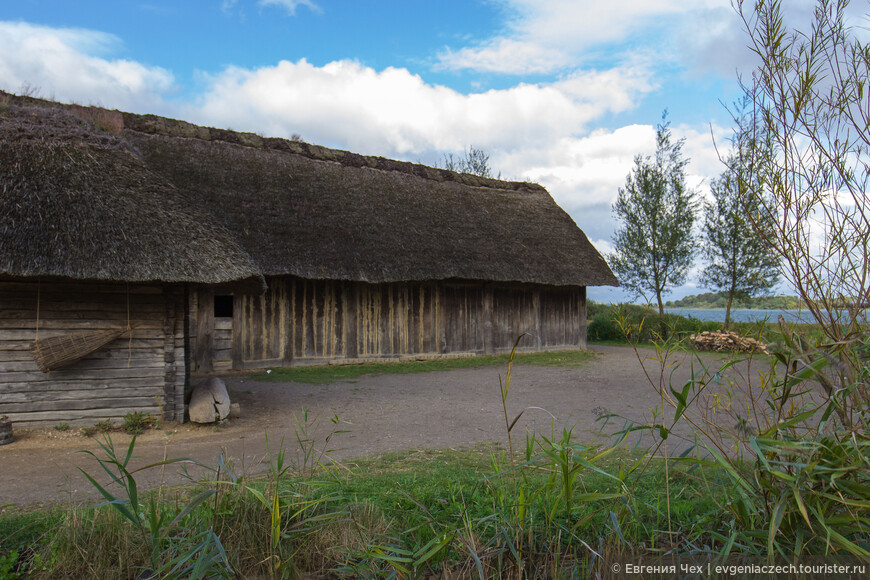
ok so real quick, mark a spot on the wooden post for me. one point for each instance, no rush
(287, 308)
(349, 296)
(170, 370)
(488, 338)
(440, 330)
(204, 355)
(582, 315)
(238, 322)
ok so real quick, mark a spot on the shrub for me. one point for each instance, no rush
(603, 327)
(135, 423)
(630, 322)
(797, 476)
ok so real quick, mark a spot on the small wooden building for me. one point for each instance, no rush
(362, 257)
(90, 241)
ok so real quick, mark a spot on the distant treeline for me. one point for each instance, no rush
(720, 300)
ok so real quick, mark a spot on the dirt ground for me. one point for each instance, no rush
(381, 413)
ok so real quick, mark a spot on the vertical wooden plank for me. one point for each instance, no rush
(351, 321)
(361, 291)
(286, 306)
(581, 315)
(412, 333)
(307, 322)
(298, 328)
(238, 324)
(318, 313)
(185, 388)
(536, 313)
(386, 319)
(488, 345)
(204, 354)
(168, 353)
(440, 334)
(338, 289)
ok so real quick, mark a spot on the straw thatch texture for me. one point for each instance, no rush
(294, 208)
(322, 219)
(76, 202)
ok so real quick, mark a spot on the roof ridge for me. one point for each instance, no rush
(115, 121)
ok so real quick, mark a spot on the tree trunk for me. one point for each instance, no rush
(728, 310)
(661, 305)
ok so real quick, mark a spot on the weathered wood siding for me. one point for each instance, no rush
(461, 325)
(260, 326)
(317, 325)
(395, 319)
(563, 317)
(144, 373)
(309, 321)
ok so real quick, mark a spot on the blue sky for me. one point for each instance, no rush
(561, 92)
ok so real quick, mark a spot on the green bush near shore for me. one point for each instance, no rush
(608, 323)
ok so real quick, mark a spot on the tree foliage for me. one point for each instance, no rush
(473, 160)
(812, 86)
(654, 245)
(739, 260)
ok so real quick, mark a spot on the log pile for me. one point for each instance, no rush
(724, 340)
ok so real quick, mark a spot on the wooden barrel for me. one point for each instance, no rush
(5, 431)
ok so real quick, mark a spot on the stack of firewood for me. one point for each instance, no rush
(724, 340)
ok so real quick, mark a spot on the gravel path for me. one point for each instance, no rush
(381, 413)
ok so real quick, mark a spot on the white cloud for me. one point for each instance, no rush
(702, 36)
(505, 55)
(290, 5)
(394, 112)
(60, 63)
(542, 37)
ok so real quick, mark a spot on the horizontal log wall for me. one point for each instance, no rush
(145, 373)
(310, 321)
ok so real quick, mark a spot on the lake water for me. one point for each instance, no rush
(743, 314)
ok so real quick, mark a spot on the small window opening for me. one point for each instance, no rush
(223, 306)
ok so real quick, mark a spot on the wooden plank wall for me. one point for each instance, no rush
(461, 327)
(317, 328)
(563, 317)
(309, 321)
(144, 374)
(396, 319)
(514, 313)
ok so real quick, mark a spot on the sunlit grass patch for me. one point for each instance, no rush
(329, 373)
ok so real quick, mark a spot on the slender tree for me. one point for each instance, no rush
(812, 86)
(654, 246)
(740, 262)
(473, 160)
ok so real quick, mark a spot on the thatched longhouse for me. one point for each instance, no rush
(217, 249)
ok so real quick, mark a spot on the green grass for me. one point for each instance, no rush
(445, 479)
(328, 373)
(410, 497)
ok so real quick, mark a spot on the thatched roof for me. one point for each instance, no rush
(314, 212)
(76, 203)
